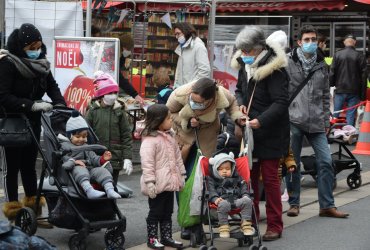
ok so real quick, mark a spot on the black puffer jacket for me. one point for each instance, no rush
(17, 93)
(269, 104)
(348, 72)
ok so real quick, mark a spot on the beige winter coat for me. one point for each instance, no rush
(161, 162)
(178, 104)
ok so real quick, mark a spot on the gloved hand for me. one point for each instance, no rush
(41, 106)
(127, 166)
(151, 190)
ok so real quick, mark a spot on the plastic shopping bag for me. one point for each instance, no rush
(195, 201)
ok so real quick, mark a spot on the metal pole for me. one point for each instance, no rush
(211, 34)
(88, 18)
(2, 23)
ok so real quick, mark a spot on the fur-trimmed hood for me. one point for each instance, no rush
(275, 59)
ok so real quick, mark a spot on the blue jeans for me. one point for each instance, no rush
(325, 172)
(351, 100)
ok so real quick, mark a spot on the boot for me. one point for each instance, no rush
(224, 231)
(11, 208)
(246, 228)
(31, 203)
(153, 242)
(166, 235)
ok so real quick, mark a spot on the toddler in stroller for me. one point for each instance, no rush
(86, 165)
(228, 191)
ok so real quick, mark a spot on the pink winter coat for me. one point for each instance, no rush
(161, 162)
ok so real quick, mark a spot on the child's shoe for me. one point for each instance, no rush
(152, 228)
(246, 228)
(224, 231)
(166, 235)
(153, 243)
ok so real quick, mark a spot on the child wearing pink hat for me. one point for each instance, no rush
(108, 119)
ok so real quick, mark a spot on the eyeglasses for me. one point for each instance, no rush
(308, 39)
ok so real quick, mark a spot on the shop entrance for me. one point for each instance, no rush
(336, 31)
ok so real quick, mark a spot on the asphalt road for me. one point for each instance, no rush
(136, 208)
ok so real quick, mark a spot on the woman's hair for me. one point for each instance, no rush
(187, 29)
(161, 77)
(155, 115)
(205, 87)
(251, 37)
(126, 41)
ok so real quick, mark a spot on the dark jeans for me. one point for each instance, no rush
(161, 207)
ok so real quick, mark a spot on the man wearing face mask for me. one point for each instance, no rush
(262, 95)
(126, 45)
(25, 78)
(309, 116)
(193, 62)
(108, 119)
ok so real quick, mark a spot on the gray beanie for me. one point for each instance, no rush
(75, 124)
(218, 159)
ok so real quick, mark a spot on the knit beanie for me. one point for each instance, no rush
(104, 84)
(279, 37)
(75, 124)
(218, 159)
(28, 34)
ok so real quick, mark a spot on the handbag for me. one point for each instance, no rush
(14, 131)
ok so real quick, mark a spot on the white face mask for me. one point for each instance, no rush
(181, 40)
(109, 99)
(126, 53)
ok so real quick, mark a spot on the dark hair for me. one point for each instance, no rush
(321, 38)
(187, 29)
(306, 29)
(126, 41)
(205, 87)
(155, 115)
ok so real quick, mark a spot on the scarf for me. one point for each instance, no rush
(307, 63)
(28, 68)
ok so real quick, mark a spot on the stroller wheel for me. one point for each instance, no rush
(262, 248)
(253, 247)
(204, 247)
(354, 181)
(212, 248)
(77, 242)
(26, 220)
(114, 238)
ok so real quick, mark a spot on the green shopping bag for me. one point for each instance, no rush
(183, 217)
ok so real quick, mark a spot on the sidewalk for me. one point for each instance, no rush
(309, 208)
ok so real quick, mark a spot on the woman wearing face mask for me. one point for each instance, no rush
(25, 78)
(193, 62)
(126, 45)
(262, 93)
(108, 119)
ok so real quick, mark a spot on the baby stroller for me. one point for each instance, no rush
(68, 206)
(342, 159)
(209, 210)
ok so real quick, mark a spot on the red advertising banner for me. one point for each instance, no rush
(68, 54)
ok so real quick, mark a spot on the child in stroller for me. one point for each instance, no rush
(86, 164)
(228, 191)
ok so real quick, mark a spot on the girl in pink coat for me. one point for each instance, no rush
(163, 174)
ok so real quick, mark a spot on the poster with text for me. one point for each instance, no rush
(76, 60)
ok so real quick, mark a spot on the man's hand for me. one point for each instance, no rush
(254, 124)
(107, 155)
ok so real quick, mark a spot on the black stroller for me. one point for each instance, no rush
(343, 159)
(70, 210)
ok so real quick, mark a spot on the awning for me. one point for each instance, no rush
(253, 6)
(363, 1)
(109, 4)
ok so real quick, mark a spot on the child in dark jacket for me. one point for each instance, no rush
(228, 190)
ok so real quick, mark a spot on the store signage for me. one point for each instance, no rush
(76, 60)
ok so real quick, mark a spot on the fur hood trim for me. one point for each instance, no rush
(182, 96)
(234, 62)
(274, 62)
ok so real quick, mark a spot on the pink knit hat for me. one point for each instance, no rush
(104, 84)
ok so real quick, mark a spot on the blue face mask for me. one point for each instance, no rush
(309, 48)
(248, 59)
(33, 54)
(196, 105)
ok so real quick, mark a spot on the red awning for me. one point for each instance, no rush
(363, 1)
(109, 4)
(253, 6)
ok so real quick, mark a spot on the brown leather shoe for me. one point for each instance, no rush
(332, 212)
(270, 236)
(293, 211)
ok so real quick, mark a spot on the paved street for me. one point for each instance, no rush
(307, 231)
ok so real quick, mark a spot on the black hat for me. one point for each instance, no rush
(28, 34)
(350, 36)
